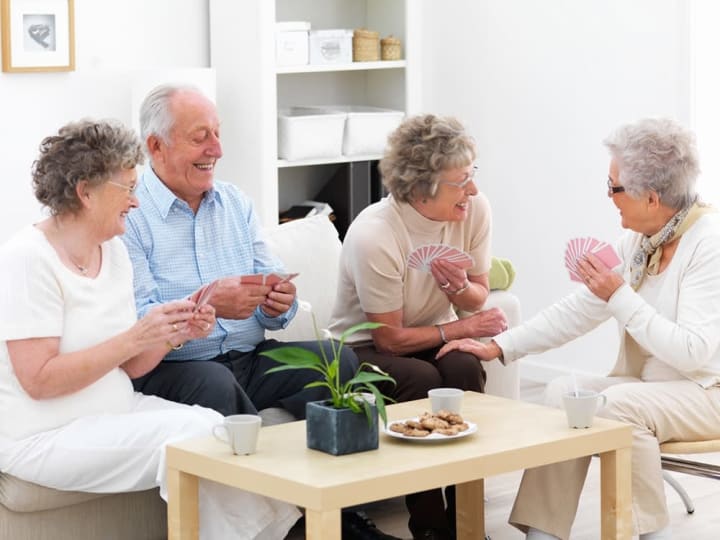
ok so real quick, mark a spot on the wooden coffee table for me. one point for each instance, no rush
(511, 435)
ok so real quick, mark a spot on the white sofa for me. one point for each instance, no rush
(311, 247)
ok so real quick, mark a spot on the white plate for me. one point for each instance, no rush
(433, 437)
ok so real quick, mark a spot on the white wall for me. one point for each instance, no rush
(113, 41)
(706, 89)
(540, 84)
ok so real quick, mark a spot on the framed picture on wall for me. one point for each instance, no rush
(37, 35)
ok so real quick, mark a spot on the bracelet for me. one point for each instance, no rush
(461, 290)
(442, 333)
(174, 347)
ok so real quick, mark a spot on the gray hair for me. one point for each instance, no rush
(86, 150)
(656, 154)
(155, 116)
(418, 150)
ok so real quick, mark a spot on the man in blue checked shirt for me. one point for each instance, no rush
(191, 230)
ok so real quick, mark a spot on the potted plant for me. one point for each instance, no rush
(337, 425)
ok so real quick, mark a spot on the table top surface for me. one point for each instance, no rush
(510, 435)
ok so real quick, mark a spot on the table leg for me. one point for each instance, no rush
(322, 525)
(182, 508)
(616, 494)
(470, 511)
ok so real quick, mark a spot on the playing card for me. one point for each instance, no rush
(274, 278)
(205, 294)
(266, 279)
(252, 279)
(607, 255)
(579, 247)
(422, 256)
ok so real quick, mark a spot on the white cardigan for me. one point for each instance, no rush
(682, 330)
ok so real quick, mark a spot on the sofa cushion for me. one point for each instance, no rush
(20, 496)
(310, 246)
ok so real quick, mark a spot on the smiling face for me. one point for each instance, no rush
(451, 201)
(186, 164)
(642, 214)
(112, 200)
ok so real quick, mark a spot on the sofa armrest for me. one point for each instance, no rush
(502, 380)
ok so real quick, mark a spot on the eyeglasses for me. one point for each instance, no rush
(612, 190)
(130, 189)
(470, 178)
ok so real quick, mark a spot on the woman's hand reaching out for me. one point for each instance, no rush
(483, 351)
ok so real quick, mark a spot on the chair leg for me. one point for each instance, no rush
(687, 501)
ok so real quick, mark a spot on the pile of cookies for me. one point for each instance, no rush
(442, 423)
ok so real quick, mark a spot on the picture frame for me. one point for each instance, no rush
(37, 35)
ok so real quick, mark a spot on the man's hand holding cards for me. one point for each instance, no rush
(266, 279)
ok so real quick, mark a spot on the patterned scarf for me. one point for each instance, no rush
(646, 260)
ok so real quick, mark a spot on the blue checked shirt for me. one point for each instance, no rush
(174, 252)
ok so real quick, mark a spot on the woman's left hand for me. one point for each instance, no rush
(600, 279)
(202, 323)
(449, 276)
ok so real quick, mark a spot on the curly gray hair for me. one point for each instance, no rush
(418, 150)
(86, 150)
(656, 154)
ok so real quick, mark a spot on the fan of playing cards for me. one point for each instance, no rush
(578, 247)
(421, 257)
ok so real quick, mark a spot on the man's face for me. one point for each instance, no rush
(187, 163)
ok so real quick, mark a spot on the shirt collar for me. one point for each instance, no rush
(414, 220)
(163, 198)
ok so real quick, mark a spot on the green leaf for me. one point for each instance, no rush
(361, 326)
(294, 356)
(319, 369)
(363, 377)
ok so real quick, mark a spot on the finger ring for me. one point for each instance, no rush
(175, 327)
(445, 285)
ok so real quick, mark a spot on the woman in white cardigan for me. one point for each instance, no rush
(665, 297)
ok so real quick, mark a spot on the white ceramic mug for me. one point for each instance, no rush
(581, 408)
(240, 431)
(445, 399)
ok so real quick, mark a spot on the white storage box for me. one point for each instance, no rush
(367, 129)
(291, 43)
(310, 132)
(331, 46)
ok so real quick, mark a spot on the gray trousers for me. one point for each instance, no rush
(235, 382)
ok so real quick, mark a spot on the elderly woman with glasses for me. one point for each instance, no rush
(434, 210)
(665, 298)
(70, 342)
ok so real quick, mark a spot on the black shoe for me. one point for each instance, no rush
(358, 526)
(434, 534)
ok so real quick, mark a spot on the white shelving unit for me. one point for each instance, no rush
(251, 88)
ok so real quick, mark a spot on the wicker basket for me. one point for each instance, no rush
(365, 45)
(390, 48)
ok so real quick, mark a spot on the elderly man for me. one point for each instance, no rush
(192, 230)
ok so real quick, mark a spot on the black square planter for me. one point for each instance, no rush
(340, 431)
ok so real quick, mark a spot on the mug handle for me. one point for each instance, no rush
(603, 401)
(221, 433)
